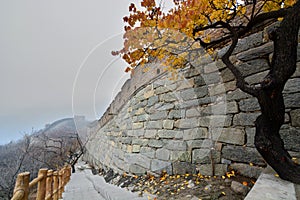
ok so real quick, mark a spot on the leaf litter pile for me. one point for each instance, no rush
(184, 187)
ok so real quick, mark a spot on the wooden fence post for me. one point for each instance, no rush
(55, 185)
(60, 183)
(21, 190)
(41, 189)
(49, 184)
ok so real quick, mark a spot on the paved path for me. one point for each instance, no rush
(270, 187)
(86, 186)
(80, 188)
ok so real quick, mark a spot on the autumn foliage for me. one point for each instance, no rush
(170, 35)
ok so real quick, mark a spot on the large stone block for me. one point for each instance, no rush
(292, 100)
(155, 143)
(158, 166)
(177, 145)
(176, 114)
(229, 135)
(257, 52)
(215, 121)
(153, 125)
(184, 168)
(148, 151)
(207, 169)
(158, 115)
(195, 133)
(184, 156)
(242, 154)
(136, 169)
(193, 93)
(247, 105)
(205, 156)
(245, 119)
(187, 123)
(291, 138)
(168, 124)
(169, 134)
(247, 170)
(162, 154)
(150, 133)
(295, 117)
(138, 159)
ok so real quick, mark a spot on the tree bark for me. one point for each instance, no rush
(267, 138)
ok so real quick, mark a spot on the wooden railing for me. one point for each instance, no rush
(50, 184)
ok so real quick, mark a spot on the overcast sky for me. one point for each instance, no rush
(46, 48)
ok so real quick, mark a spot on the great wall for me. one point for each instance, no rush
(197, 121)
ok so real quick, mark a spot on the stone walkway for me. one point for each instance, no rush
(86, 186)
(270, 187)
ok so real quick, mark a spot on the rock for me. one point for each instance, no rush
(247, 170)
(247, 105)
(257, 52)
(245, 119)
(239, 188)
(158, 166)
(295, 117)
(184, 168)
(242, 154)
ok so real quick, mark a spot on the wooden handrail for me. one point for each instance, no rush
(50, 184)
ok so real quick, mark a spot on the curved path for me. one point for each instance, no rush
(83, 185)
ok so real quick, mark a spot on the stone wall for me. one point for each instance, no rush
(198, 121)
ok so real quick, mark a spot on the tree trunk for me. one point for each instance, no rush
(283, 65)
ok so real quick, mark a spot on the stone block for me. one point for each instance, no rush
(158, 166)
(250, 132)
(242, 154)
(229, 135)
(166, 106)
(168, 134)
(257, 52)
(236, 95)
(176, 114)
(155, 143)
(138, 159)
(247, 105)
(198, 144)
(207, 170)
(245, 119)
(136, 169)
(168, 124)
(295, 117)
(291, 138)
(177, 145)
(152, 100)
(195, 133)
(162, 154)
(184, 168)
(292, 100)
(169, 97)
(158, 115)
(138, 125)
(184, 156)
(136, 133)
(136, 148)
(193, 93)
(150, 133)
(153, 125)
(148, 151)
(247, 170)
(186, 123)
(205, 156)
(253, 66)
(215, 121)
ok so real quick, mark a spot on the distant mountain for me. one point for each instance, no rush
(66, 127)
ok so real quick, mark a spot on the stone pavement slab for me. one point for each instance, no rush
(270, 187)
(80, 188)
(83, 185)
